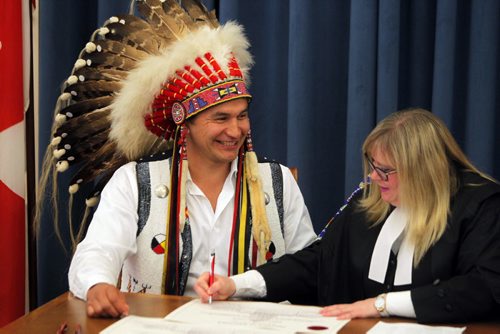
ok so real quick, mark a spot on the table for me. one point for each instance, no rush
(68, 309)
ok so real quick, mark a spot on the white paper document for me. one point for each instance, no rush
(268, 317)
(405, 328)
(133, 324)
(232, 317)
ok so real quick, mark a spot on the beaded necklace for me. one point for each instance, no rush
(347, 201)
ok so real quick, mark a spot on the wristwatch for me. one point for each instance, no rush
(380, 305)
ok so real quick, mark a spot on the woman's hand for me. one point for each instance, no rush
(360, 309)
(222, 288)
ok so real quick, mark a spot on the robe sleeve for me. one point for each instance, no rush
(293, 277)
(473, 292)
(296, 277)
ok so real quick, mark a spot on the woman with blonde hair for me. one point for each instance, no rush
(428, 160)
(422, 240)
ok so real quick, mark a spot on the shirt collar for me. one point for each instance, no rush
(233, 173)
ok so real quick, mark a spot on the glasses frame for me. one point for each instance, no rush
(383, 173)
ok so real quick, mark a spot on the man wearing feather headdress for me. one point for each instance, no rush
(170, 139)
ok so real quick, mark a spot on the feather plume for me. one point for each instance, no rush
(84, 125)
(131, 21)
(199, 13)
(116, 48)
(79, 108)
(76, 152)
(69, 143)
(108, 60)
(143, 39)
(109, 161)
(171, 27)
(92, 73)
(92, 89)
(179, 16)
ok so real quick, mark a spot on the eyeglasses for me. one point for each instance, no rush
(383, 173)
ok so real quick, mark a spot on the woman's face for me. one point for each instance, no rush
(389, 189)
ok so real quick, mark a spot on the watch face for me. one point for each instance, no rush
(380, 303)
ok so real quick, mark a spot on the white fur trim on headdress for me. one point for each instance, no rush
(145, 81)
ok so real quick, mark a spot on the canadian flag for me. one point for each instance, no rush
(12, 163)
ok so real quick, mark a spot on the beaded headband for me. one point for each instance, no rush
(189, 92)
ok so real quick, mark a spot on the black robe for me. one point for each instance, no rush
(458, 279)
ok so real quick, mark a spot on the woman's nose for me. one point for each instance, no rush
(374, 175)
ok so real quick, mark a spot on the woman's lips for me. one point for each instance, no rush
(383, 189)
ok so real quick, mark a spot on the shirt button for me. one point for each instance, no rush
(161, 191)
(389, 287)
(436, 281)
(440, 293)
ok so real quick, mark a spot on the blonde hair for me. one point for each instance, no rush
(427, 158)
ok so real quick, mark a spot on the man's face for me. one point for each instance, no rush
(216, 134)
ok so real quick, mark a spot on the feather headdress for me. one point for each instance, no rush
(133, 86)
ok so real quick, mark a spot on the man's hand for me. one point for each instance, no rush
(105, 300)
(222, 288)
(360, 309)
